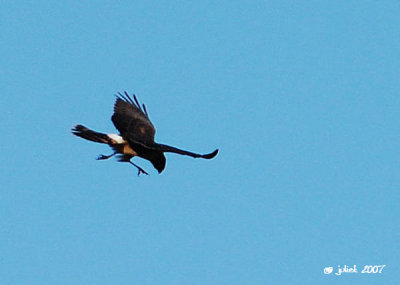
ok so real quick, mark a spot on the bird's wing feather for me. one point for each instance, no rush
(132, 120)
(167, 148)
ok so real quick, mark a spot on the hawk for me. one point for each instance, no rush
(136, 136)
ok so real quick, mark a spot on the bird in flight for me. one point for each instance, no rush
(136, 136)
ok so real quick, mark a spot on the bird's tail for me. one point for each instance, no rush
(90, 135)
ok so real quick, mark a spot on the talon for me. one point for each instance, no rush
(102, 156)
(140, 170)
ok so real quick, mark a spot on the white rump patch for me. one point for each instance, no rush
(117, 138)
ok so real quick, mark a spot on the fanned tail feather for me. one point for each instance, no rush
(87, 134)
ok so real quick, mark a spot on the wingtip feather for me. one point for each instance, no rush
(210, 155)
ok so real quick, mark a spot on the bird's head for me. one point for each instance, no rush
(159, 162)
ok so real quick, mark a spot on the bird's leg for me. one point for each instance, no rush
(140, 170)
(102, 156)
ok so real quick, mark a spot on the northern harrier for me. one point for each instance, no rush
(136, 136)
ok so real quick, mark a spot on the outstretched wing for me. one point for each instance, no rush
(167, 148)
(132, 120)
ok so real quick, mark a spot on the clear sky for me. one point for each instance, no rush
(301, 97)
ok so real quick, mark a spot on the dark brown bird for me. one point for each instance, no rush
(136, 136)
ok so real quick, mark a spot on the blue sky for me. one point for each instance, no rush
(302, 99)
